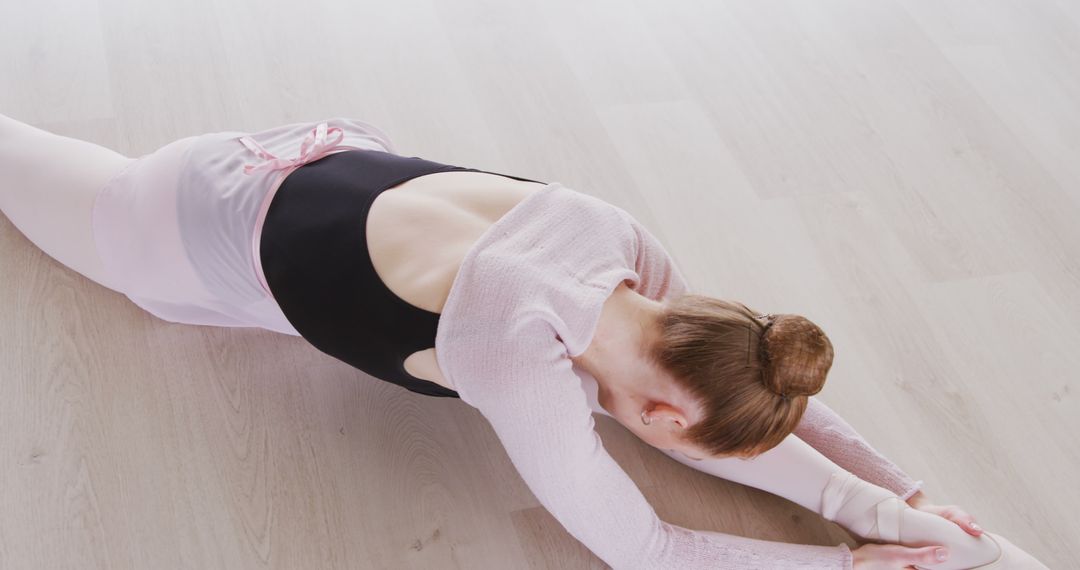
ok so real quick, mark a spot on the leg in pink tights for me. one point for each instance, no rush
(47, 187)
(801, 474)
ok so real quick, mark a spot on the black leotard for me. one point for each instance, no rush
(315, 258)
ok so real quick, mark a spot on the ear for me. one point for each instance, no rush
(671, 414)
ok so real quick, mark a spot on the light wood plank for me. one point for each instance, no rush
(902, 172)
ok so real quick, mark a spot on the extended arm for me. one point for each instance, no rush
(800, 473)
(541, 417)
(825, 466)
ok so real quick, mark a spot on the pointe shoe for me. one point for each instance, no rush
(1011, 557)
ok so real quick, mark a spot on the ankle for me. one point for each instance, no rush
(861, 507)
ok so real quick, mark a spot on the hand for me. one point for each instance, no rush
(950, 512)
(872, 556)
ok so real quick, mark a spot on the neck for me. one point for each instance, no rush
(616, 351)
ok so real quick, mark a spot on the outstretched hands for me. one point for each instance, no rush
(951, 512)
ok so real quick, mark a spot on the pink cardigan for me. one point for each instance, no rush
(527, 296)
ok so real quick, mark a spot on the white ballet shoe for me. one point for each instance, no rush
(878, 514)
(1011, 557)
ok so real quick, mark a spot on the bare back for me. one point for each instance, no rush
(419, 231)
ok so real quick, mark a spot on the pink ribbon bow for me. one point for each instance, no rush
(316, 145)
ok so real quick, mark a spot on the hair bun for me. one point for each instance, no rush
(796, 355)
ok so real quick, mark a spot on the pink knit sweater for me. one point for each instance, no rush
(528, 295)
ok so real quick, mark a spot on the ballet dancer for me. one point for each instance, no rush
(536, 304)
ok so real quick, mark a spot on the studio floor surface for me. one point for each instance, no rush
(904, 173)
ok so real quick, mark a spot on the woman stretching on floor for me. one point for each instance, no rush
(536, 304)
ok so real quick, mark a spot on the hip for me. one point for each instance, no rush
(178, 228)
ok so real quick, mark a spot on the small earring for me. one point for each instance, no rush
(643, 420)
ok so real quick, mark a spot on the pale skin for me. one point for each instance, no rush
(418, 234)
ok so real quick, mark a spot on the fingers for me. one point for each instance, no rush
(903, 556)
(955, 514)
(961, 518)
(892, 556)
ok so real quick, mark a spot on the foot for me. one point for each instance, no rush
(1011, 558)
(875, 513)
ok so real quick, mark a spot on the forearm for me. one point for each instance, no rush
(800, 473)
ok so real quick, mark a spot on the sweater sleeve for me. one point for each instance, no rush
(541, 416)
(820, 426)
(827, 432)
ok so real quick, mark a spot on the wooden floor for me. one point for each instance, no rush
(904, 173)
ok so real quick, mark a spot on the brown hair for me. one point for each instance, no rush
(752, 375)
